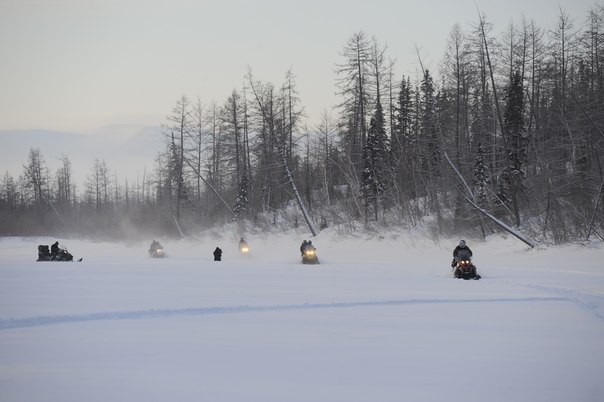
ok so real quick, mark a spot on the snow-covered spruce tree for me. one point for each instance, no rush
(353, 88)
(272, 144)
(178, 129)
(241, 201)
(516, 142)
(483, 123)
(291, 114)
(404, 151)
(375, 157)
(263, 112)
(481, 178)
(456, 70)
(35, 178)
(231, 120)
(325, 162)
(429, 128)
(177, 185)
(11, 213)
(97, 185)
(200, 136)
(429, 142)
(35, 189)
(9, 193)
(64, 183)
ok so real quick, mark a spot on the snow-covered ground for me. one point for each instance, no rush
(378, 320)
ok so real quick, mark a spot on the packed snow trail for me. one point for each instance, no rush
(149, 314)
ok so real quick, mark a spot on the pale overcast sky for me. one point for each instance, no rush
(80, 64)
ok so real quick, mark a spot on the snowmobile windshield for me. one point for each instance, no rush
(309, 250)
(463, 255)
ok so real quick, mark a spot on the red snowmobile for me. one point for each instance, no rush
(464, 269)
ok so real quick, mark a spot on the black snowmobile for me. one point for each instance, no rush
(157, 252)
(61, 255)
(309, 255)
(464, 269)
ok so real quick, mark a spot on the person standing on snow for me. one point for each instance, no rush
(217, 254)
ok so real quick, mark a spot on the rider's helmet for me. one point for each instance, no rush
(310, 242)
(462, 243)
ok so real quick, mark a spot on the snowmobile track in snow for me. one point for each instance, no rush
(6, 324)
(587, 301)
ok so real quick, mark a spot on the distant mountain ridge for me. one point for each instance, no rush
(128, 150)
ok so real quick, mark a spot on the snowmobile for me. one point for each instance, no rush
(244, 248)
(157, 252)
(309, 256)
(61, 255)
(464, 269)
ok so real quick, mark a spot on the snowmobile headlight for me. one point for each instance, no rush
(310, 252)
(244, 249)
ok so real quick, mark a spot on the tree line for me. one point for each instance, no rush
(510, 123)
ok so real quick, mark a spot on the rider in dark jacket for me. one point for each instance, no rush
(217, 254)
(54, 249)
(154, 246)
(303, 246)
(242, 244)
(462, 246)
